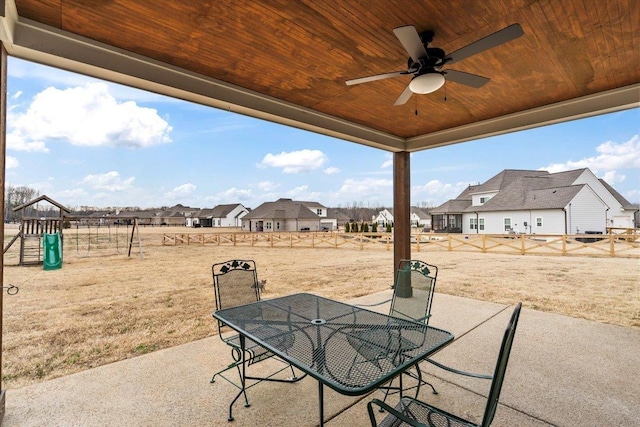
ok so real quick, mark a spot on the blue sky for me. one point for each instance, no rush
(86, 142)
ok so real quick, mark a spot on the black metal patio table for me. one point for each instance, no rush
(325, 339)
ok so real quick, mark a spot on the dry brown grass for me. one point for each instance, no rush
(106, 307)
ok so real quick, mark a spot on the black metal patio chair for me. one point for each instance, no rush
(413, 412)
(235, 283)
(414, 286)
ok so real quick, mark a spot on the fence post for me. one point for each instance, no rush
(522, 251)
(612, 250)
(564, 244)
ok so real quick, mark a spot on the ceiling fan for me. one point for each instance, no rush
(425, 63)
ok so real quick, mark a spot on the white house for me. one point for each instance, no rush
(419, 218)
(222, 216)
(384, 217)
(281, 215)
(326, 223)
(523, 201)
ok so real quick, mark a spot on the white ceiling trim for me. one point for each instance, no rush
(587, 106)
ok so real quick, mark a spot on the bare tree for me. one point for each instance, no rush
(15, 196)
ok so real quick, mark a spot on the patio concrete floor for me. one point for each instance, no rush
(562, 372)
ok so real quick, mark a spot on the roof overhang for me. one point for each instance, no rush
(51, 46)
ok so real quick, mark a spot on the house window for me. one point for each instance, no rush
(481, 223)
(268, 225)
(473, 223)
(278, 225)
(538, 222)
(319, 212)
(507, 224)
(484, 200)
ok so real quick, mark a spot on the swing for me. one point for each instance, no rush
(78, 241)
(117, 235)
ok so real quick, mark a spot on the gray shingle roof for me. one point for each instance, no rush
(521, 189)
(451, 206)
(619, 197)
(281, 209)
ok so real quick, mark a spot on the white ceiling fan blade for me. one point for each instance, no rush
(499, 37)
(374, 78)
(411, 42)
(461, 77)
(404, 96)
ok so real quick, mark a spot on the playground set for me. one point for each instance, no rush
(42, 242)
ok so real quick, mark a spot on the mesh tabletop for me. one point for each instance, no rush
(350, 349)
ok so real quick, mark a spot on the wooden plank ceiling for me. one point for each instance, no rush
(302, 51)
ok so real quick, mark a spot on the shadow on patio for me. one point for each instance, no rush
(562, 371)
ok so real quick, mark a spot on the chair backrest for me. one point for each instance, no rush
(413, 290)
(235, 282)
(501, 368)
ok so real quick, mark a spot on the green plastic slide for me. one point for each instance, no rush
(52, 257)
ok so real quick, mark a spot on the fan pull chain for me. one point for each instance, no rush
(445, 91)
(416, 98)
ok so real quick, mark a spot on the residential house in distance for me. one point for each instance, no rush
(327, 222)
(340, 217)
(527, 201)
(282, 215)
(419, 218)
(383, 218)
(229, 215)
(177, 215)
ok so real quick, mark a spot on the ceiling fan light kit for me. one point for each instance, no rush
(426, 83)
(425, 63)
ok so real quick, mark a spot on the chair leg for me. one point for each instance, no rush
(293, 373)
(231, 366)
(421, 381)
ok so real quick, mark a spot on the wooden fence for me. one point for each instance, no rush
(612, 245)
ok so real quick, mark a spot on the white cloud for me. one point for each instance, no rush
(181, 191)
(365, 189)
(17, 142)
(295, 161)
(109, 181)
(613, 177)
(11, 162)
(387, 163)
(16, 95)
(86, 116)
(302, 193)
(331, 170)
(74, 194)
(632, 195)
(612, 155)
(234, 194)
(267, 186)
(439, 189)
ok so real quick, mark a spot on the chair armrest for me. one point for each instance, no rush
(459, 372)
(373, 305)
(391, 411)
